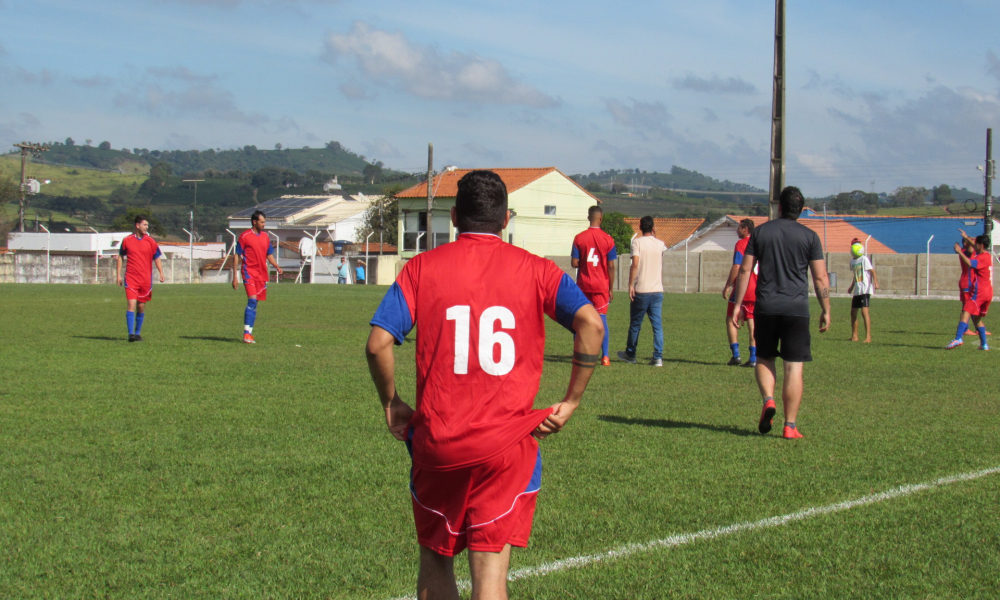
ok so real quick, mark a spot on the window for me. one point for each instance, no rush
(550, 210)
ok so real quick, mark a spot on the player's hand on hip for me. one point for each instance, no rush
(553, 423)
(397, 418)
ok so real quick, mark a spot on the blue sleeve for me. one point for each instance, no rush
(158, 254)
(270, 249)
(393, 314)
(121, 251)
(974, 264)
(239, 248)
(613, 254)
(569, 299)
(574, 253)
(737, 257)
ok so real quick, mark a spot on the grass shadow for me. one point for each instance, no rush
(939, 347)
(668, 424)
(103, 338)
(552, 358)
(211, 338)
(695, 362)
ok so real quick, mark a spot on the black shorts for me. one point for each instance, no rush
(861, 301)
(789, 333)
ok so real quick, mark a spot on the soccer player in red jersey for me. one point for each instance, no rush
(980, 293)
(253, 252)
(479, 306)
(141, 252)
(597, 271)
(743, 232)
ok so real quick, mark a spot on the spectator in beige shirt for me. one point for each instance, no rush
(645, 289)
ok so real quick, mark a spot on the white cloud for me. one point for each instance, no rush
(423, 71)
(761, 112)
(643, 117)
(715, 85)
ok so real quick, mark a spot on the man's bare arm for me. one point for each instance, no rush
(632, 272)
(118, 269)
(159, 267)
(236, 269)
(382, 366)
(734, 272)
(742, 283)
(822, 284)
(586, 354)
(274, 263)
(611, 279)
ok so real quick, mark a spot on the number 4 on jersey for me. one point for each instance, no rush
(592, 257)
(488, 338)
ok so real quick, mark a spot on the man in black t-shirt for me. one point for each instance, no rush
(784, 252)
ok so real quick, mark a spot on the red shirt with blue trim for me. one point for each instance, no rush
(479, 305)
(981, 269)
(965, 281)
(594, 248)
(738, 252)
(140, 252)
(254, 248)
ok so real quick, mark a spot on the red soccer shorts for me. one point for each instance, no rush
(963, 296)
(256, 288)
(977, 308)
(483, 507)
(139, 293)
(746, 308)
(600, 300)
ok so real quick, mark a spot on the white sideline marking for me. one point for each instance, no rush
(708, 534)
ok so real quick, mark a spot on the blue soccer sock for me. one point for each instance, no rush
(736, 349)
(753, 353)
(607, 336)
(250, 315)
(130, 321)
(982, 334)
(962, 328)
(138, 322)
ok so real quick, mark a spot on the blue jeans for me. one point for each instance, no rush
(646, 304)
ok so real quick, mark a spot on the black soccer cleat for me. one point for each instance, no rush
(749, 364)
(131, 337)
(733, 362)
(138, 338)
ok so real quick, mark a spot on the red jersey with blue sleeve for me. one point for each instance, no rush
(981, 268)
(140, 252)
(594, 248)
(254, 248)
(479, 305)
(738, 252)
(965, 281)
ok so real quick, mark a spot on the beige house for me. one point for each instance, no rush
(549, 210)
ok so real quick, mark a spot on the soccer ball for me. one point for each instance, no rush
(857, 250)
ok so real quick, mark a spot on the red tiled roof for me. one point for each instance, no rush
(166, 243)
(5, 250)
(669, 231)
(215, 264)
(446, 184)
(839, 234)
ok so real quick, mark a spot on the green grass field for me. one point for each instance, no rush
(193, 466)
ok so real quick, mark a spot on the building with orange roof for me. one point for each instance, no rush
(668, 231)
(835, 234)
(548, 207)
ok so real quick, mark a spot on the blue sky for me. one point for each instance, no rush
(879, 94)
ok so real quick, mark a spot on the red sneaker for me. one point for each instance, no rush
(766, 414)
(605, 361)
(248, 339)
(792, 433)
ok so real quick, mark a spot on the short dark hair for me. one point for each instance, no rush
(983, 240)
(481, 202)
(256, 215)
(747, 224)
(140, 219)
(791, 202)
(646, 224)
(593, 211)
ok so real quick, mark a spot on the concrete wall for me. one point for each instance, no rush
(31, 267)
(898, 274)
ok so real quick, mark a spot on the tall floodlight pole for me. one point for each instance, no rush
(777, 178)
(26, 149)
(430, 197)
(991, 172)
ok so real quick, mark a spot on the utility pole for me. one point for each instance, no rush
(26, 149)
(195, 207)
(430, 197)
(777, 178)
(991, 173)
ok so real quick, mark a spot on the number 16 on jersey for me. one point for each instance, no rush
(488, 338)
